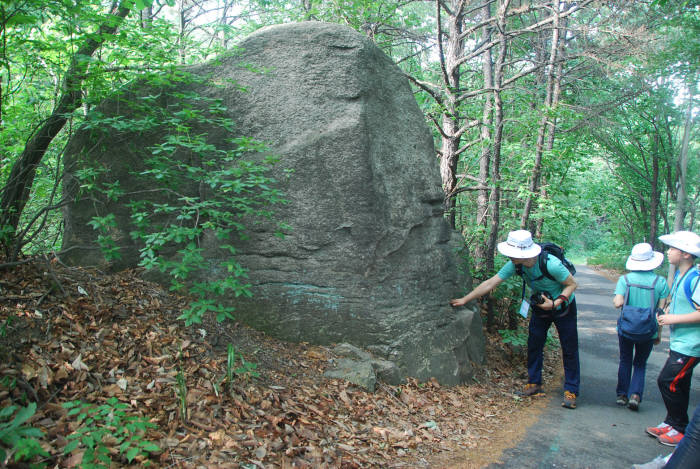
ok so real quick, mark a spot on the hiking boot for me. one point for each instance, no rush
(659, 430)
(671, 437)
(569, 400)
(622, 400)
(633, 403)
(531, 389)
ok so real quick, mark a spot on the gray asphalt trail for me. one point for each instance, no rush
(598, 434)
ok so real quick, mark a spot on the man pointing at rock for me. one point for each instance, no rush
(558, 305)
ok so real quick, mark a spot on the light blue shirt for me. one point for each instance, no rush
(685, 338)
(536, 280)
(638, 296)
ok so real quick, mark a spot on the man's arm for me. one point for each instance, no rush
(482, 289)
(569, 286)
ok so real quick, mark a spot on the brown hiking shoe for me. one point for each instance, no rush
(569, 400)
(531, 389)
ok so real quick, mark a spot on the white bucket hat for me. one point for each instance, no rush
(644, 257)
(519, 245)
(686, 241)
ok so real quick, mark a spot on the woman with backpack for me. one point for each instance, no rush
(638, 294)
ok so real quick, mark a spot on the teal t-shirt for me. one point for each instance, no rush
(536, 280)
(685, 338)
(638, 296)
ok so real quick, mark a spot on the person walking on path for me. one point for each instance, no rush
(640, 292)
(683, 315)
(557, 306)
(687, 453)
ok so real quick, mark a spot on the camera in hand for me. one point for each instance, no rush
(536, 298)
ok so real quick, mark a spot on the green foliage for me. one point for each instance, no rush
(203, 191)
(244, 369)
(518, 337)
(100, 424)
(20, 440)
(181, 392)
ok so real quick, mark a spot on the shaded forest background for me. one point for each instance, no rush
(573, 119)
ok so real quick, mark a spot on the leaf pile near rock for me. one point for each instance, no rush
(71, 335)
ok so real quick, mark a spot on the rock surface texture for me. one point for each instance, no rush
(369, 259)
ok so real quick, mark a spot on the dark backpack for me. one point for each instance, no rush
(547, 249)
(635, 322)
(558, 252)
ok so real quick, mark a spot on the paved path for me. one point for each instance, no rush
(598, 434)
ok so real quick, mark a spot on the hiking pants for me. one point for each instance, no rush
(568, 338)
(687, 453)
(674, 384)
(633, 354)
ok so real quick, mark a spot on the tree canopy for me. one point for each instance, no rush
(531, 104)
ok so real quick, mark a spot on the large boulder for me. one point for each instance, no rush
(369, 258)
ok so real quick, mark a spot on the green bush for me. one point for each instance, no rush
(170, 227)
(98, 424)
(19, 439)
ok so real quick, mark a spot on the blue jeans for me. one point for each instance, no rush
(687, 453)
(633, 354)
(568, 338)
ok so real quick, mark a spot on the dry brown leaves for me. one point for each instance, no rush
(117, 336)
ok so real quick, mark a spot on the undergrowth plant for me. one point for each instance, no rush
(181, 392)
(197, 189)
(518, 337)
(19, 442)
(244, 369)
(100, 425)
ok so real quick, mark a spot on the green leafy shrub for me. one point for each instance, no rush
(21, 440)
(171, 225)
(107, 423)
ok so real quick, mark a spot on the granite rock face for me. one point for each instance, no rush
(369, 259)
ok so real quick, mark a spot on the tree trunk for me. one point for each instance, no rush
(482, 200)
(546, 125)
(682, 172)
(449, 155)
(495, 196)
(15, 194)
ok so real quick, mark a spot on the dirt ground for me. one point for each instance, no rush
(70, 335)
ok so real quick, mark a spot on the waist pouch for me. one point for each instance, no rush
(551, 314)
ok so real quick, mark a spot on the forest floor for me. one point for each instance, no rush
(69, 334)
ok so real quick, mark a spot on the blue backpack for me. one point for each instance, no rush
(638, 323)
(687, 284)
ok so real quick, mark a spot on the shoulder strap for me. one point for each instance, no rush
(627, 289)
(645, 287)
(519, 271)
(542, 259)
(687, 285)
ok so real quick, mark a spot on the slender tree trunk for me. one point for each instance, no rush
(15, 194)
(682, 172)
(482, 200)
(495, 196)
(546, 125)
(147, 17)
(449, 155)
(552, 130)
(683, 164)
(654, 197)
